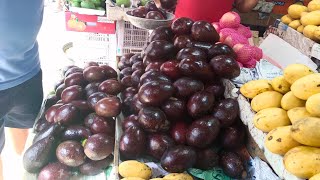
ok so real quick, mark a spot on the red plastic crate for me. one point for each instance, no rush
(89, 23)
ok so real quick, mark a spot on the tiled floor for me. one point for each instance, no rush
(51, 39)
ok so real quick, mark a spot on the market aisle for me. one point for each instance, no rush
(51, 39)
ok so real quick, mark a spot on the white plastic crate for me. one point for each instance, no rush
(116, 13)
(130, 38)
(96, 47)
(94, 40)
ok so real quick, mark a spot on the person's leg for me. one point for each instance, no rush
(2, 141)
(26, 106)
(18, 138)
(1, 170)
(58, 6)
(6, 105)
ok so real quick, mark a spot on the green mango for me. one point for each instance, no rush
(126, 3)
(96, 2)
(87, 4)
(144, 2)
(75, 4)
(100, 8)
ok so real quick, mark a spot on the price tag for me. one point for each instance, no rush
(103, 19)
(315, 51)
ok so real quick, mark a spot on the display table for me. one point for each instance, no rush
(274, 160)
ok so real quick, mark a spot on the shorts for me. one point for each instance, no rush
(20, 105)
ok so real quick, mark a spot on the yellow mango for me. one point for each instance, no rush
(270, 118)
(178, 176)
(316, 34)
(295, 24)
(306, 86)
(296, 71)
(297, 113)
(312, 18)
(315, 177)
(307, 131)
(255, 87)
(309, 31)
(300, 29)
(289, 101)
(304, 13)
(314, 6)
(265, 100)
(286, 19)
(280, 84)
(303, 161)
(132, 168)
(295, 10)
(313, 105)
(279, 140)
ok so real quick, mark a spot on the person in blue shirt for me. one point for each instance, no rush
(21, 91)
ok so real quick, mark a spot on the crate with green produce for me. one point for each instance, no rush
(116, 9)
(89, 7)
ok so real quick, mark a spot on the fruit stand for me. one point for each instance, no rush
(198, 102)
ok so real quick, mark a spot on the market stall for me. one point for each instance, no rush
(200, 101)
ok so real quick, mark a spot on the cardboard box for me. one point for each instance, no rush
(305, 45)
(281, 6)
(116, 13)
(89, 23)
(252, 18)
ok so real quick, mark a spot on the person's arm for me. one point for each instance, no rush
(245, 5)
(157, 3)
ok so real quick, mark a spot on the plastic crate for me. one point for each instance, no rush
(130, 38)
(86, 47)
(115, 13)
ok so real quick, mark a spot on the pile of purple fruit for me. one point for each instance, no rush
(174, 101)
(149, 11)
(76, 132)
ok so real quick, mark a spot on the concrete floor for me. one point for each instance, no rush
(51, 39)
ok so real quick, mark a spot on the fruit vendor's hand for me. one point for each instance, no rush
(245, 5)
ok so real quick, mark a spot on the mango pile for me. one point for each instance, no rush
(305, 19)
(288, 109)
(135, 170)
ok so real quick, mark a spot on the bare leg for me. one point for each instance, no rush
(59, 4)
(18, 138)
(1, 172)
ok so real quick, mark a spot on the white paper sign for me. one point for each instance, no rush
(315, 52)
(283, 53)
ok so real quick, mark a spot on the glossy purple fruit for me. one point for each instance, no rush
(155, 93)
(153, 120)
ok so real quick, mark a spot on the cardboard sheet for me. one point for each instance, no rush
(283, 53)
